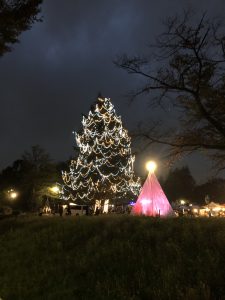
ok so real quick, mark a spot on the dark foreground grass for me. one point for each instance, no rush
(120, 257)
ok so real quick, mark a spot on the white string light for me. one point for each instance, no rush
(105, 163)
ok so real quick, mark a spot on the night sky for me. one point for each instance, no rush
(61, 64)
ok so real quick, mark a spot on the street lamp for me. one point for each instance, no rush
(12, 194)
(55, 189)
(182, 202)
(151, 166)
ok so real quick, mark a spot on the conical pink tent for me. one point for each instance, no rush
(152, 201)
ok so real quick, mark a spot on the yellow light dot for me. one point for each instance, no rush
(151, 166)
(55, 189)
(13, 195)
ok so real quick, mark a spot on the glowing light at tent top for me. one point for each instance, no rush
(151, 166)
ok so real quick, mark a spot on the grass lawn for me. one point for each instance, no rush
(112, 257)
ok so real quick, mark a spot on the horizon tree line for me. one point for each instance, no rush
(34, 172)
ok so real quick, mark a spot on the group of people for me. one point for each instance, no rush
(79, 210)
(59, 210)
(98, 211)
(68, 210)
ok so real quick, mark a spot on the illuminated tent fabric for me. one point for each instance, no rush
(212, 205)
(152, 201)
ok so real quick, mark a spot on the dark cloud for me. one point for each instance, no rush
(59, 67)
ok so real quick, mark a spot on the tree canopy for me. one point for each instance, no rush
(31, 176)
(16, 16)
(180, 184)
(187, 76)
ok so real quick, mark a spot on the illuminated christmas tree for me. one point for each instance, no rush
(103, 171)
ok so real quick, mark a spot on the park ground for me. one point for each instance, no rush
(112, 257)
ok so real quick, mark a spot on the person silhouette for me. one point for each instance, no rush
(68, 209)
(97, 211)
(60, 210)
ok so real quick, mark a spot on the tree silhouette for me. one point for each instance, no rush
(186, 76)
(16, 17)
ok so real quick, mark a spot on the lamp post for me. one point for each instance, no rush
(54, 189)
(182, 202)
(55, 192)
(12, 194)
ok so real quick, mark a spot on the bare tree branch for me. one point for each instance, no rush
(191, 76)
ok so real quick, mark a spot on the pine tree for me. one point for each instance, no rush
(103, 170)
